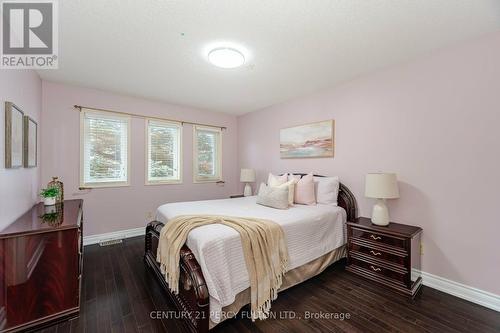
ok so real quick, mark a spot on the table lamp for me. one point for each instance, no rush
(381, 186)
(247, 176)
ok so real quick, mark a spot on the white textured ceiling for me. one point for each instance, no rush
(155, 49)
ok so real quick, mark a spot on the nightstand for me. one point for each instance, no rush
(389, 255)
(236, 196)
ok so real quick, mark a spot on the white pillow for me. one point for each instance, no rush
(290, 185)
(327, 190)
(273, 197)
(281, 181)
(273, 180)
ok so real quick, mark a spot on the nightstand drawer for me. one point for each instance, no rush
(395, 275)
(395, 258)
(375, 237)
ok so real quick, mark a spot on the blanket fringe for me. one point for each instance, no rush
(172, 281)
(264, 310)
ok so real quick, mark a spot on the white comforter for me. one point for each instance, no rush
(310, 232)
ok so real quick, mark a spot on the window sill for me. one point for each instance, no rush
(99, 185)
(198, 181)
(170, 182)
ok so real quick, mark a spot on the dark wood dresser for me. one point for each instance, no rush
(389, 255)
(41, 257)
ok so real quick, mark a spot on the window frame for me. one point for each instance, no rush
(110, 115)
(218, 177)
(146, 164)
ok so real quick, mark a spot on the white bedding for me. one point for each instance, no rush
(310, 232)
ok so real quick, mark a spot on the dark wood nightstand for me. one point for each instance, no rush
(236, 196)
(389, 255)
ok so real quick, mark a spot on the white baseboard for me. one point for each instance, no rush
(95, 239)
(471, 294)
(468, 293)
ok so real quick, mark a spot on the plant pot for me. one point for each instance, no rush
(49, 201)
(49, 209)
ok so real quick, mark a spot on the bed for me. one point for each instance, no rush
(214, 281)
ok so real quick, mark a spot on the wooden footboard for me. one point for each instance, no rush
(192, 300)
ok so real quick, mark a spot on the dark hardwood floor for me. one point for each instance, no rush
(118, 295)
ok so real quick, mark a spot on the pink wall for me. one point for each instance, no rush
(112, 209)
(436, 123)
(18, 187)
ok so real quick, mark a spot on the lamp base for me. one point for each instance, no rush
(380, 213)
(248, 190)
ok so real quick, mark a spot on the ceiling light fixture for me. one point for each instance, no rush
(226, 57)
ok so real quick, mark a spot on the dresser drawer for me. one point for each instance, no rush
(394, 275)
(375, 237)
(398, 259)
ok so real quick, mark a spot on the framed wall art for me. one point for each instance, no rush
(30, 142)
(307, 141)
(14, 125)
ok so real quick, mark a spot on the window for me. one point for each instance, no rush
(163, 152)
(207, 154)
(104, 149)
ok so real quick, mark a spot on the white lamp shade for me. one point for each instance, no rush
(247, 175)
(381, 186)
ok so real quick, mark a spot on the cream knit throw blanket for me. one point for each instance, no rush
(264, 248)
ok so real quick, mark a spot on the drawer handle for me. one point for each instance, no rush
(375, 253)
(375, 237)
(376, 269)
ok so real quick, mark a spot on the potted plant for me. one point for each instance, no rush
(49, 195)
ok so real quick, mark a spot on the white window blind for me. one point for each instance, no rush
(104, 149)
(207, 154)
(164, 152)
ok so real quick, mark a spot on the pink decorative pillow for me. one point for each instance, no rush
(304, 191)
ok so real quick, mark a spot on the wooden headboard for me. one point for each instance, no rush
(345, 199)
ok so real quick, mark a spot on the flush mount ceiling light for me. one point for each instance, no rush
(226, 57)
